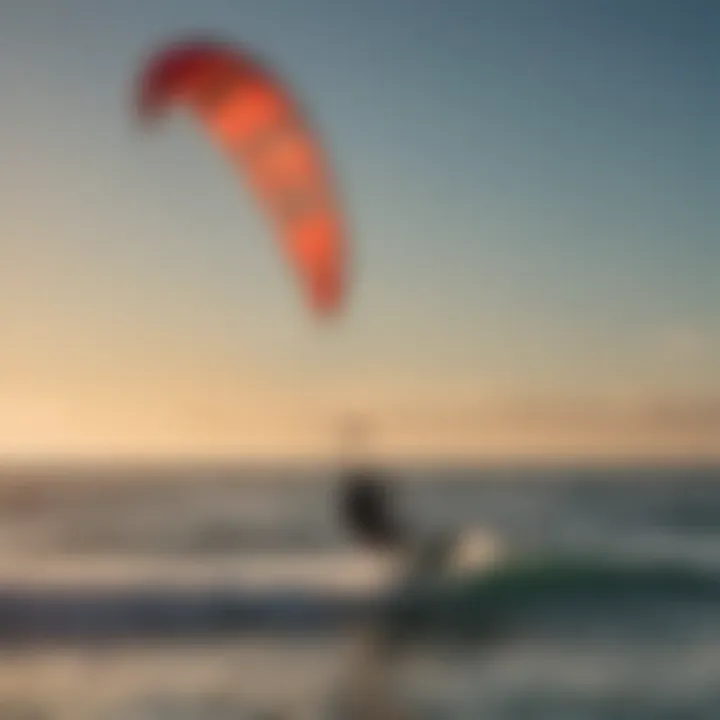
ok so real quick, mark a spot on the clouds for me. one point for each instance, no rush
(526, 427)
(651, 416)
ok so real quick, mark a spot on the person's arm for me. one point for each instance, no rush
(428, 558)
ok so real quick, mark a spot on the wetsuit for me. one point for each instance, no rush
(367, 509)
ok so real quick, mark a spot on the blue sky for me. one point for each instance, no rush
(530, 187)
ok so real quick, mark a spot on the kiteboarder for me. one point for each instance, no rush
(368, 509)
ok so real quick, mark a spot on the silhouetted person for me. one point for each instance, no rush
(368, 509)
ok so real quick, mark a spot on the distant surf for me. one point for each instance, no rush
(550, 595)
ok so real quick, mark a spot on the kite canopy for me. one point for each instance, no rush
(252, 117)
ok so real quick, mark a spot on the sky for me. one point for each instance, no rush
(532, 191)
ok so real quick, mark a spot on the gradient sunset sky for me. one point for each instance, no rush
(533, 191)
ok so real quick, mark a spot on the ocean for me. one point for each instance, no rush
(209, 592)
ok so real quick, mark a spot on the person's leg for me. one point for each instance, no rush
(369, 690)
